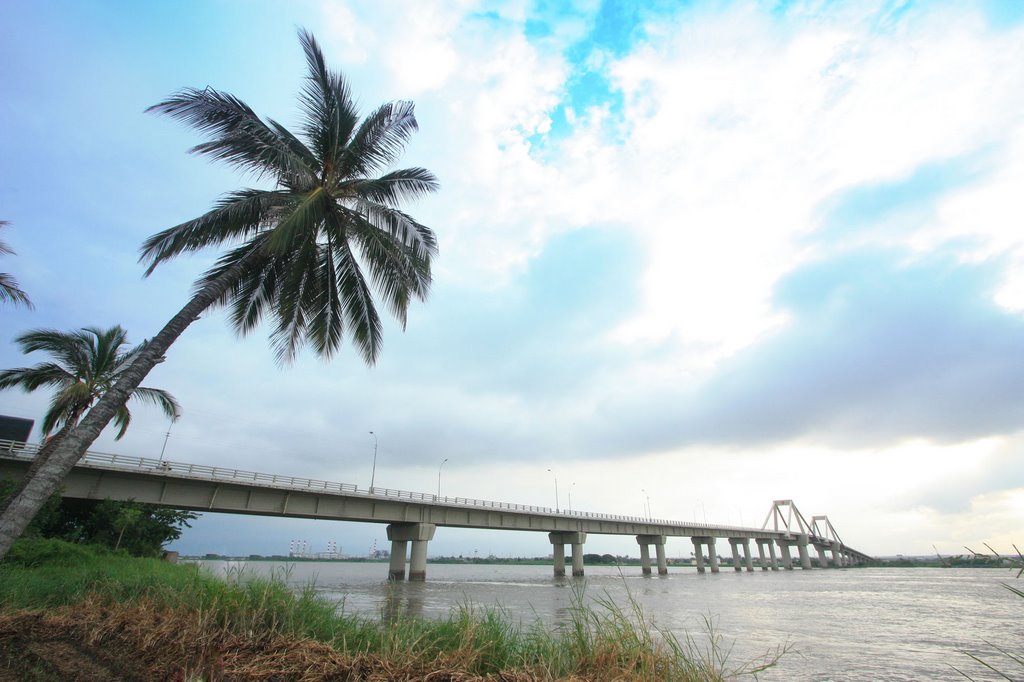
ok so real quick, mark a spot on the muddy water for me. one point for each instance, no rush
(849, 624)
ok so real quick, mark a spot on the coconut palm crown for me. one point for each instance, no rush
(334, 207)
(9, 289)
(86, 363)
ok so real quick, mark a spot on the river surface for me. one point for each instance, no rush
(845, 624)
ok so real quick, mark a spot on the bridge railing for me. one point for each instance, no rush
(27, 451)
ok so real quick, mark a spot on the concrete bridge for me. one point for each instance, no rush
(413, 518)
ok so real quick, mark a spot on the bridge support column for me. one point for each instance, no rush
(837, 557)
(746, 556)
(558, 554)
(418, 560)
(396, 570)
(645, 553)
(577, 558)
(401, 534)
(822, 557)
(559, 539)
(712, 555)
(801, 547)
(734, 544)
(762, 561)
(698, 553)
(659, 551)
(787, 560)
(771, 555)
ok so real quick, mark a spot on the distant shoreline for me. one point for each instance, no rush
(888, 562)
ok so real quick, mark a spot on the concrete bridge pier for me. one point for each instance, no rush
(773, 562)
(645, 553)
(747, 561)
(801, 548)
(734, 545)
(739, 562)
(698, 553)
(659, 552)
(645, 557)
(559, 539)
(837, 557)
(399, 552)
(822, 556)
(401, 534)
(787, 559)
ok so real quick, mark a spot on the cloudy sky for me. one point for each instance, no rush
(699, 254)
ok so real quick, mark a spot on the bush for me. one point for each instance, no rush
(35, 552)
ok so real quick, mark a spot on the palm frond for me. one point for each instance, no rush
(240, 138)
(395, 187)
(4, 249)
(160, 398)
(70, 348)
(238, 215)
(292, 302)
(398, 272)
(326, 101)
(395, 225)
(360, 315)
(9, 288)
(327, 325)
(380, 139)
(67, 406)
(31, 378)
(122, 418)
(254, 289)
(10, 291)
(301, 217)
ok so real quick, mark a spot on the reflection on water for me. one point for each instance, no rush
(850, 624)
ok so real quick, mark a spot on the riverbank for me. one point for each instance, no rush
(72, 612)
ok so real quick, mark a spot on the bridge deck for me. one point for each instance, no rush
(209, 488)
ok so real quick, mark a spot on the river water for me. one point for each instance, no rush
(845, 624)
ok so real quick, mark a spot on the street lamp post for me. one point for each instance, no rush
(166, 437)
(570, 496)
(439, 476)
(703, 511)
(373, 472)
(556, 489)
(647, 506)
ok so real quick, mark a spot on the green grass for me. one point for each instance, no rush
(601, 640)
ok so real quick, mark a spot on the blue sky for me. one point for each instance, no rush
(721, 253)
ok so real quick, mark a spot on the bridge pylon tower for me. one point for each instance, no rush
(784, 517)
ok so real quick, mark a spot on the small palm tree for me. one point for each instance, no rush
(310, 252)
(86, 364)
(9, 290)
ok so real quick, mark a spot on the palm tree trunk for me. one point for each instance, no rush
(49, 474)
(42, 456)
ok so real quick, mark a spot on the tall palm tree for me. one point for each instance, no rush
(85, 364)
(299, 250)
(9, 289)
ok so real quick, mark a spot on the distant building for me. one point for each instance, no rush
(15, 428)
